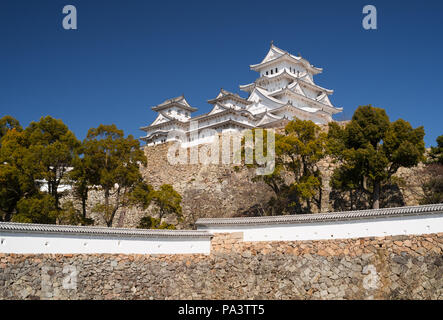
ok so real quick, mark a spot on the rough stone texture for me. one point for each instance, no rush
(410, 181)
(400, 267)
(228, 190)
(207, 190)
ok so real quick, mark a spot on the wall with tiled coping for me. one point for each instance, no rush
(346, 225)
(400, 267)
(36, 239)
(404, 266)
(52, 239)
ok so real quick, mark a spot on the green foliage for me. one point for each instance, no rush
(19, 171)
(297, 153)
(436, 154)
(370, 150)
(433, 191)
(38, 209)
(43, 151)
(15, 157)
(10, 190)
(368, 126)
(55, 146)
(114, 163)
(69, 215)
(300, 149)
(106, 161)
(153, 223)
(168, 201)
(141, 195)
(8, 123)
(433, 187)
(82, 177)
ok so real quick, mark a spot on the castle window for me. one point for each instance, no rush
(276, 70)
(272, 71)
(266, 72)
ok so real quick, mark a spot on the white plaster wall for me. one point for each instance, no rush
(274, 85)
(177, 113)
(32, 243)
(283, 64)
(310, 93)
(298, 67)
(60, 188)
(234, 104)
(188, 144)
(378, 227)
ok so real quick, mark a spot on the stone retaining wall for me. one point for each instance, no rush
(221, 191)
(400, 267)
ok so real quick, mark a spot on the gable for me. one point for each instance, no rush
(217, 108)
(160, 119)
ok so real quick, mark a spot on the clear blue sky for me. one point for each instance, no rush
(127, 56)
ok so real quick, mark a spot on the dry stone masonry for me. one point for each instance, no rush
(393, 253)
(400, 267)
(228, 190)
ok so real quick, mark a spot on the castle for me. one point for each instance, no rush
(285, 90)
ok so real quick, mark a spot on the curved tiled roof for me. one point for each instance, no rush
(290, 75)
(100, 231)
(278, 53)
(325, 217)
(178, 101)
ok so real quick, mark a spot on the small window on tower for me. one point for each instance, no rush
(276, 70)
(266, 72)
(272, 71)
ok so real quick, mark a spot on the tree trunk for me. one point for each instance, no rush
(351, 198)
(298, 206)
(7, 216)
(114, 208)
(57, 199)
(107, 207)
(376, 195)
(111, 219)
(84, 206)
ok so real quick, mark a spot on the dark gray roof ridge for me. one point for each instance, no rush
(325, 217)
(100, 231)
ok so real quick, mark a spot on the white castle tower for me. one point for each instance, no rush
(285, 90)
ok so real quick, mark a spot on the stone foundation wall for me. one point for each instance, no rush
(400, 267)
(218, 191)
(208, 191)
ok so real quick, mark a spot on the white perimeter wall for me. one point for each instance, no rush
(37, 243)
(65, 244)
(378, 227)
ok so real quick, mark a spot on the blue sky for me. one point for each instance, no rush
(127, 56)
